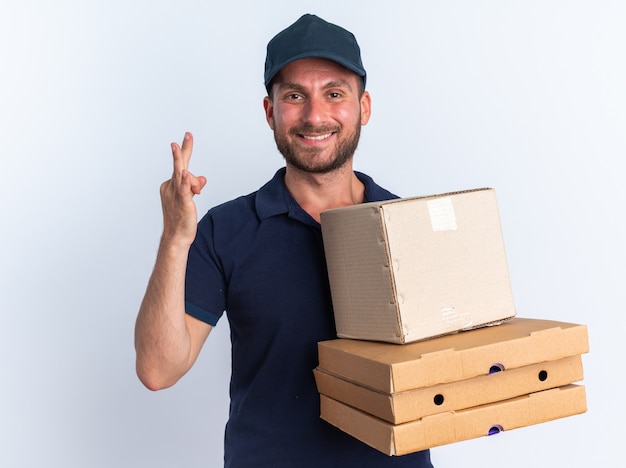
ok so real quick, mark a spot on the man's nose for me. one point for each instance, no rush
(315, 111)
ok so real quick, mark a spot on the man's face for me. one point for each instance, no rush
(316, 114)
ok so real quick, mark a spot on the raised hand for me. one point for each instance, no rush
(179, 210)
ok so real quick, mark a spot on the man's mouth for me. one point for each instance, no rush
(316, 137)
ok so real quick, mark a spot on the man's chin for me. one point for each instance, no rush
(318, 168)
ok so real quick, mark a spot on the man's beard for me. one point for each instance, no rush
(304, 158)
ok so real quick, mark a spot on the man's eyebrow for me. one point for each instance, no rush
(338, 84)
(289, 85)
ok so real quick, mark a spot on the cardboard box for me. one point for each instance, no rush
(414, 268)
(455, 426)
(416, 404)
(392, 368)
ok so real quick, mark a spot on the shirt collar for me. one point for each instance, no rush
(273, 198)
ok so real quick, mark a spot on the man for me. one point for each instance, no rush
(260, 259)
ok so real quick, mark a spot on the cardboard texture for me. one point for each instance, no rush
(416, 404)
(449, 427)
(414, 268)
(392, 368)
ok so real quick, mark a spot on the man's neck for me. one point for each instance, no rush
(319, 192)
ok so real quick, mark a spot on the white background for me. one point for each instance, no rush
(526, 97)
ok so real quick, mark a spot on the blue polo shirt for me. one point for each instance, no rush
(260, 259)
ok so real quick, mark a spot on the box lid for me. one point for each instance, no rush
(446, 428)
(393, 368)
(415, 404)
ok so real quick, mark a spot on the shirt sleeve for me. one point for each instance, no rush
(205, 284)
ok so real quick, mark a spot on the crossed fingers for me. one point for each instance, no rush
(181, 176)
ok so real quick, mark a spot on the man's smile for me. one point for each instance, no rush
(317, 137)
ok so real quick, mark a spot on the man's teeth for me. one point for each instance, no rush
(317, 138)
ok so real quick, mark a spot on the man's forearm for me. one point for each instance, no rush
(162, 339)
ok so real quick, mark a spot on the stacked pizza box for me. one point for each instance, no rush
(429, 349)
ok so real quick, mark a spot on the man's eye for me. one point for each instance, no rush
(294, 96)
(334, 95)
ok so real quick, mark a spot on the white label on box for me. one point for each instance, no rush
(442, 215)
(452, 317)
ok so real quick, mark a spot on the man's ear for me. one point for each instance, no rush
(366, 107)
(268, 106)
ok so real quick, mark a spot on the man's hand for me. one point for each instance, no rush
(179, 210)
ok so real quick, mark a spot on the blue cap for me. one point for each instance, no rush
(308, 37)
